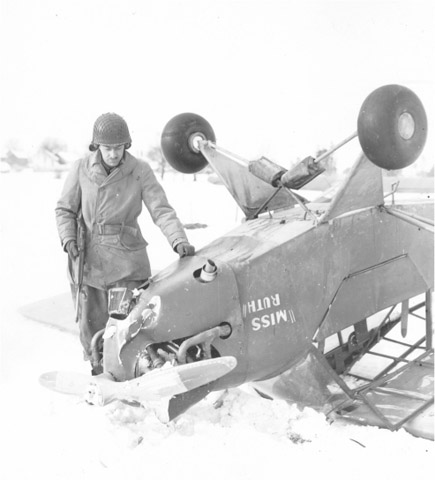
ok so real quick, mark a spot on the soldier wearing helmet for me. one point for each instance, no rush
(106, 190)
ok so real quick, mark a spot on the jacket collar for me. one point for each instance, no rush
(98, 173)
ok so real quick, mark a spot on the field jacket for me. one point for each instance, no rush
(115, 248)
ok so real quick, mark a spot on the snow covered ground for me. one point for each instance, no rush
(52, 436)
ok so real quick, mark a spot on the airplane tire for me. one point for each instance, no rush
(178, 142)
(392, 127)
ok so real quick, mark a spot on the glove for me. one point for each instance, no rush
(185, 249)
(72, 249)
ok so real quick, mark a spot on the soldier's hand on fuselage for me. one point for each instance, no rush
(72, 249)
(185, 249)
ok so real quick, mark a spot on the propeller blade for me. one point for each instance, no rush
(71, 383)
(160, 383)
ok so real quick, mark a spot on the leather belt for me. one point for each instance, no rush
(105, 229)
(116, 229)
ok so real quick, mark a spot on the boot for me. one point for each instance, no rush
(96, 369)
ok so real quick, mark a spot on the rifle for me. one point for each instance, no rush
(81, 242)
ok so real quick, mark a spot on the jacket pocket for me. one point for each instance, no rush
(109, 241)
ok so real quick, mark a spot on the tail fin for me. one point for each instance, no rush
(362, 188)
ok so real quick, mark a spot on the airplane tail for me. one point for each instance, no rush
(362, 188)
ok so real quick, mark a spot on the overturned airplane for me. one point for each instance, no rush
(300, 299)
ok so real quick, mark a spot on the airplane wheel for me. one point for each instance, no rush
(180, 142)
(392, 127)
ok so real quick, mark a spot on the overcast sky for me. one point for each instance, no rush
(278, 78)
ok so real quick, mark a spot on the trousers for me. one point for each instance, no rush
(93, 312)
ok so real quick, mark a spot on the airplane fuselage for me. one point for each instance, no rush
(282, 281)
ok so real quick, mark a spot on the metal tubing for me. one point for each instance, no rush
(307, 210)
(397, 360)
(385, 377)
(245, 163)
(391, 357)
(420, 218)
(206, 337)
(378, 382)
(377, 412)
(403, 393)
(204, 143)
(413, 414)
(398, 342)
(95, 354)
(259, 210)
(429, 321)
(424, 224)
(404, 318)
(336, 147)
(320, 357)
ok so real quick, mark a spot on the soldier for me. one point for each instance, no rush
(106, 190)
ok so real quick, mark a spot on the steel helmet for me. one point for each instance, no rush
(110, 129)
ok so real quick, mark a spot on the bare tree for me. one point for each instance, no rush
(155, 156)
(53, 145)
